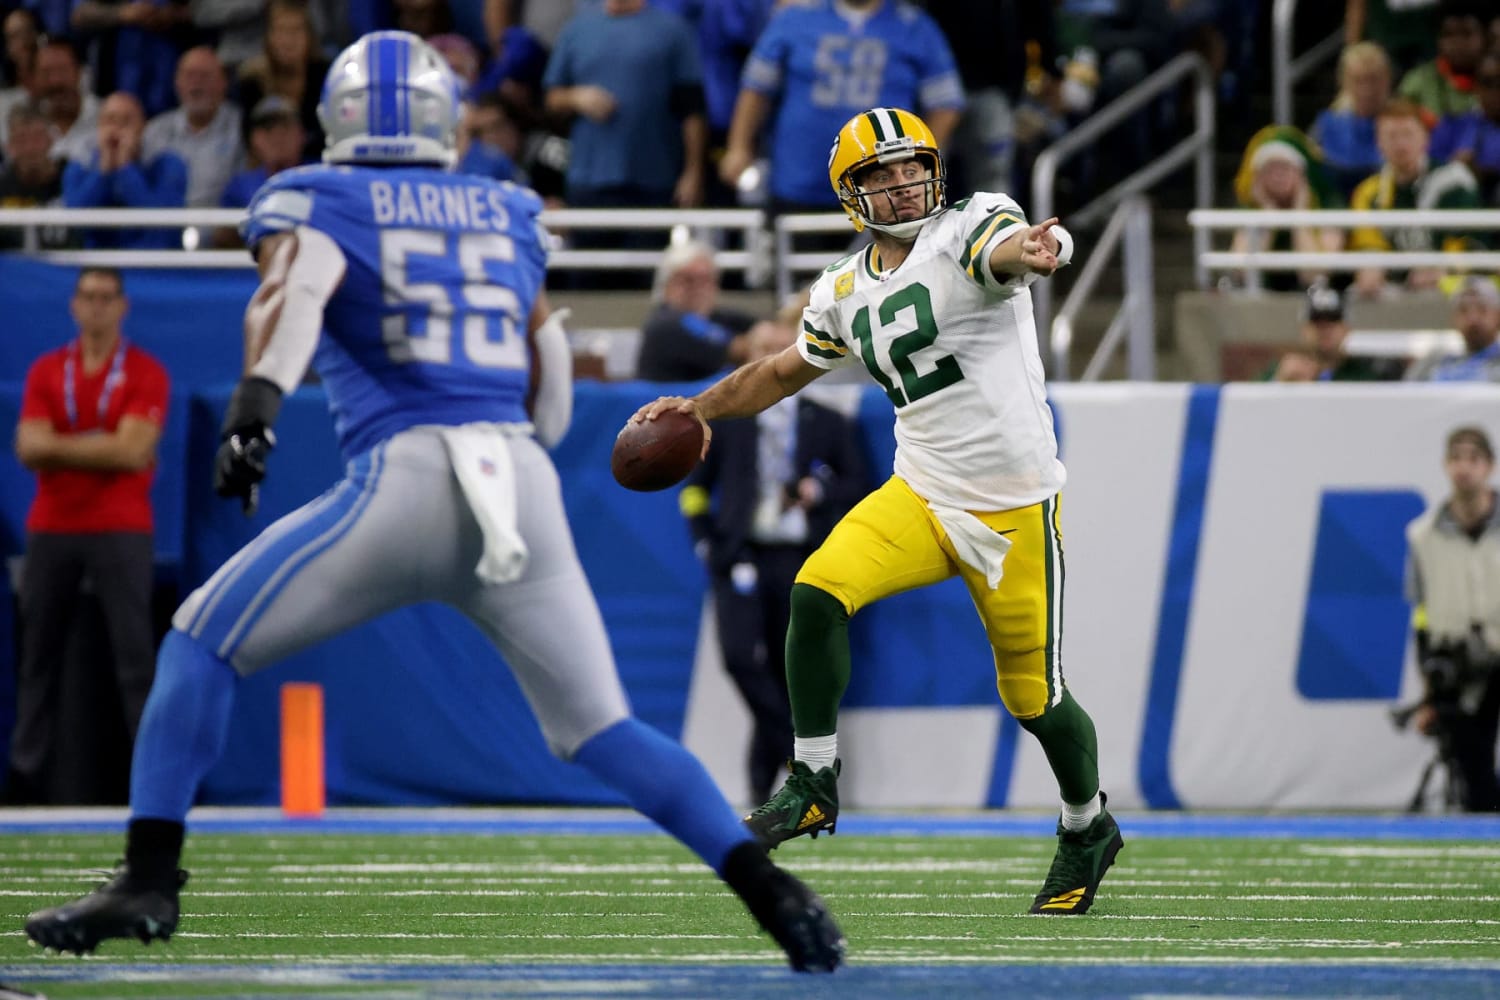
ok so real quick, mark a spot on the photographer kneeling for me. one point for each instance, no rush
(1453, 582)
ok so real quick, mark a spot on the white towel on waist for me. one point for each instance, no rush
(980, 546)
(481, 460)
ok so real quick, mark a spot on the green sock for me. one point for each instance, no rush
(1072, 747)
(817, 660)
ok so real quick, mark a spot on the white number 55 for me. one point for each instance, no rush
(453, 285)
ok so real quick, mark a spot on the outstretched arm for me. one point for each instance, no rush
(1041, 249)
(744, 392)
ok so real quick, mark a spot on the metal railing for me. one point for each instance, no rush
(790, 263)
(1134, 322)
(1205, 221)
(1198, 147)
(1286, 71)
(749, 221)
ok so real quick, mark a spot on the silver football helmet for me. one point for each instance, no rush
(389, 98)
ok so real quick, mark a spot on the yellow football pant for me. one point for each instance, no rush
(892, 542)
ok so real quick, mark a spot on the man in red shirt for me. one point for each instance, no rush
(91, 417)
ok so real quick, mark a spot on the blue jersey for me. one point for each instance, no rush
(429, 324)
(822, 67)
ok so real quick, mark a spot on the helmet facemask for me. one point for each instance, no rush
(861, 202)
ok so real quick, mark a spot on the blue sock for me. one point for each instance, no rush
(668, 785)
(182, 729)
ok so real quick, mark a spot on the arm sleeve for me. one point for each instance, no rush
(697, 339)
(147, 397)
(987, 221)
(820, 342)
(35, 404)
(1366, 237)
(763, 70)
(552, 411)
(161, 185)
(83, 186)
(310, 280)
(559, 71)
(939, 86)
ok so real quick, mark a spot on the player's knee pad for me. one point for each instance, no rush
(1023, 683)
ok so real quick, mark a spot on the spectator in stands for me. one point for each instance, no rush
(1406, 29)
(91, 417)
(1321, 356)
(240, 27)
(489, 140)
(74, 113)
(815, 66)
(687, 336)
(203, 130)
(30, 177)
(424, 18)
(18, 66)
(769, 492)
(23, 33)
(542, 19)
(462, 57)
(119, 176)
(1474, 139)
(990, 44)
(1279, 171)
(276, 142)
(1453, 584)
(1445, 85)
(1345, 131)
(727, 31)
(289, 65)
(1408, 180)
(629, 75)
(134, 46)
(1130, 39)
(1476, 316)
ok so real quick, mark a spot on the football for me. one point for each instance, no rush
(655, 454)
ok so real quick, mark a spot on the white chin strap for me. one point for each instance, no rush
(901, 230)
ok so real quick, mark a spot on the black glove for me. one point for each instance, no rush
(240, 464)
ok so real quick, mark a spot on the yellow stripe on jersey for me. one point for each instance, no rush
(975, 250)
(821, 344)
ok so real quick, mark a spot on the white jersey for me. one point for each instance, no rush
(955, 349)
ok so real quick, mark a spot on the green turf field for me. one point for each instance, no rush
(306, 901)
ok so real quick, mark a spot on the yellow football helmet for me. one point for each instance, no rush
(885, 135)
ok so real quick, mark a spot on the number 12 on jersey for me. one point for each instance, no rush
(432, 279)
(905, 346)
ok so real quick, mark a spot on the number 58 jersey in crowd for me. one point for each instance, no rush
(429, 323)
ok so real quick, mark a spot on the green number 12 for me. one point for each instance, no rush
(945, 370)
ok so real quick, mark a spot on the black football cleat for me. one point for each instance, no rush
(802, 925)
(1082, 858)
(124, 907)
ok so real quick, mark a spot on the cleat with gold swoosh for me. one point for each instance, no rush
(807, 804)
(1082, 858)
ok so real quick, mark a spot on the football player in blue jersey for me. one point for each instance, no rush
(446, 375)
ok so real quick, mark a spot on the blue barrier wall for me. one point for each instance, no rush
(1233, 597)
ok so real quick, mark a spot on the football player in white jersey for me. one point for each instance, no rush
(937, 309)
